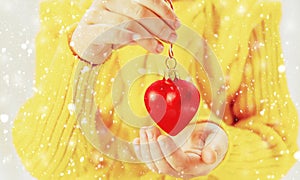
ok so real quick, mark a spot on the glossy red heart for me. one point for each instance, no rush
(172, 104)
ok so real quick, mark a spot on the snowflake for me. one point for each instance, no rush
(281, 68)
(3, 50)
(297, 156)
(71, 108)
(85, 69)
(4, 118)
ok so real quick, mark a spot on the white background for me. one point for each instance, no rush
(18, 27)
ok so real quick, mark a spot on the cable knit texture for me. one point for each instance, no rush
(260, 118)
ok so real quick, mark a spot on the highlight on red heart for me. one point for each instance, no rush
(172, 104)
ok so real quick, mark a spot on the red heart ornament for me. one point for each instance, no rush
(172, 104)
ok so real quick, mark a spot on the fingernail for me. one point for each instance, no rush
(136, 141)
(172, 37)
(142, 133)
(159, 48)
(177, 24)
(149, 134)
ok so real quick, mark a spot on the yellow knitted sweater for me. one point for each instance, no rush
(260, 118)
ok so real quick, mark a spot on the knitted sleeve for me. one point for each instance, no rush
(260, 117)
(261, 120)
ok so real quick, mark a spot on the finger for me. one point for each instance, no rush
(145, 151)
(164, 11)
(215, 140)
(115, 35)
(101, 47)
(158, 28)
(102, 15)
(107, 27)
(160, 162)
(136, 147)
(152, 45)
(174, 155)
(108, 19)
(209, 156)
(148, 19)
(147, 40)
(152, 134)
(216, 145)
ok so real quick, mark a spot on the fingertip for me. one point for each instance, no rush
(164, 144)
(161, 138)
(159, 48)
(136, 144)
(150, 134)
(177, 23)
(136, 141)
(163, 141)
(209, 156)
(136, 148)
(143, 133)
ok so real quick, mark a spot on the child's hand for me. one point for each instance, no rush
(200, 154)
(111, 24)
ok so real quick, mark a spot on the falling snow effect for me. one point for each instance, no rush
(297, 156)
(17, 66)
(71, 108)
(4, 118)
(17, 54)
(85, 69)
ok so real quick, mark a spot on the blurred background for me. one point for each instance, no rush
(19, 24)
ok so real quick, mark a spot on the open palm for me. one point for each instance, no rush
(200, 154)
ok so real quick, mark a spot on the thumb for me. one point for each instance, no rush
(216, 146)
(209, 156)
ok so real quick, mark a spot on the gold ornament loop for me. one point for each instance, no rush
(171, 63)
(171, 72)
